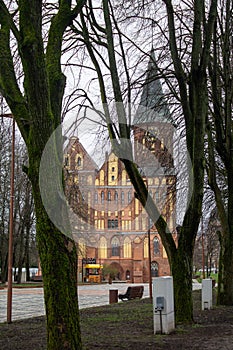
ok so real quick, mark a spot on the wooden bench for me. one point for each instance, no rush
(132, 293)
(36, 278)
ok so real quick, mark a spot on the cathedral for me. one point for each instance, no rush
(114, 235)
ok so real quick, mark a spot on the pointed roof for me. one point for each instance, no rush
(153, 106)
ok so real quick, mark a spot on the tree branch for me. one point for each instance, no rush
(8, 82)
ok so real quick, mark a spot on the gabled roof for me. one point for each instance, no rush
(153, 106)
(74, 143)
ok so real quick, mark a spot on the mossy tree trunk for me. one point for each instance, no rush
(37, 112)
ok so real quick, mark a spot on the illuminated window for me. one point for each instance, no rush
(103, 248)
(127, 248)
(89, 180)
(123, 177)
(146, 247)
(136, 206)
(101, 177)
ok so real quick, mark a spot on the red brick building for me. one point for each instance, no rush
(111, 225)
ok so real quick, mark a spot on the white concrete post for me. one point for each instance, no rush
(206, 294)
(23, 277)
(163, 305)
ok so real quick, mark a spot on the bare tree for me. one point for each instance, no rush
(5, 152)
(36, 106)
(24, 230)
(104, 33)
(220, 139)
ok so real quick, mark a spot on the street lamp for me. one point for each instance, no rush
(203, 249)
(149, 257)
(11, 219)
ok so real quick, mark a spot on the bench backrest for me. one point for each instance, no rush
(135, 292)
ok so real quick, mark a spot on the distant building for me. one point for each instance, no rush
(113, 226)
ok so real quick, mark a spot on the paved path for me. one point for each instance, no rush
(29, 302)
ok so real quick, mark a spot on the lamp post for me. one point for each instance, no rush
(203, 249)
(149, 258)
(11, 222)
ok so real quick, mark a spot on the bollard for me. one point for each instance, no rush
(206, 294)
(163, 305)
(113, 296)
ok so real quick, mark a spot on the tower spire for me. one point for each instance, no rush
(153, 106)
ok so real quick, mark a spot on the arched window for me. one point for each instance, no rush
(154, 269)
(67, 160)
(116, 196)
(127, 248)
(78, 161)
(115, 247)
(129, 196)
(156, 246)
(103, 248)
(122, 197)
(146, 247)
(96, 197)
(127, 275)
(102, 197)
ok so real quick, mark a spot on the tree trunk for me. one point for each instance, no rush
(58, 258)
(27, 256)
(37, 112)
(20, 252)
(225, 288)
(181, 268)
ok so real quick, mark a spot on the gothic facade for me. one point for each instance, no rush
(110, 224)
